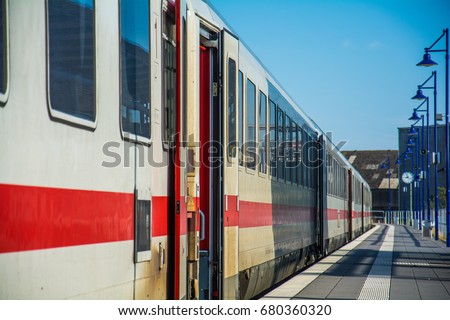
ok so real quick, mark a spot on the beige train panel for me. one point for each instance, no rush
(248, 179)
(250, 238)
(71, 272)
(340, 226)
(258, 242)
(269, 188)
(111, 293)
(231, 248)
(336, 228)
(193, 96)
(257, 245)
(183, 266)
(151, 275)
(231, 288)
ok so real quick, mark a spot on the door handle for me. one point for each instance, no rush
(202, 225)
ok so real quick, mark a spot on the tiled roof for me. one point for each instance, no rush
(368, 163)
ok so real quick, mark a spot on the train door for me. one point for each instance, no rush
(230, 63)
(321, 193)
(169, 129)
(211, 158)
(362, 208)
(350, 205)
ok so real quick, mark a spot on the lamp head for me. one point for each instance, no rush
(397, 161)
(410, 143)
(412, 131)
(414, 116)
(408, 151)
(426, 62)
(419, 95)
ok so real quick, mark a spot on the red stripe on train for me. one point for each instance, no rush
(41, 218)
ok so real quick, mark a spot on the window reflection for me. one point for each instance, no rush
(250, 138)
(262, 132)
(169, 74)
(231, 108)
(72, 57)
(3, 46)
(135, 67)
(241, 116)
(273, 139)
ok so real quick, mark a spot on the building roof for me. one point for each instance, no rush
(368, 163)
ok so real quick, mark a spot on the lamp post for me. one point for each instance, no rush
(419, 96)
(415, 117)
(412, 204)
(427, 62)
(387, 163)
(414, 158)
(419, 189)
(405, 157)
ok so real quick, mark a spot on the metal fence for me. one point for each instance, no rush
(397, 218)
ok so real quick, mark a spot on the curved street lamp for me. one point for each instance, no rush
(420, 96)
(428, 62)
(426, 151)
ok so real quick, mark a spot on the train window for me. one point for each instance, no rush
(135, 67)
(288, 148)
(305, 159)
(262, 132)
(299, 155)
(309, 161)
(231, 108)
(71, 58)
(294, 152)
(241, 116)
(3, 50)
(273, 139)
(250, 134)
(169, 83)
(280, 141)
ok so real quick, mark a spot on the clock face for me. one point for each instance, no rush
(407, 177)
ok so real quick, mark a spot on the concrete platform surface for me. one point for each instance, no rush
(386, 263)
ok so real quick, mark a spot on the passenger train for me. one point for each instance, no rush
(146, 153)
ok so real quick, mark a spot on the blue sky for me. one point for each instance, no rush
(350, 65)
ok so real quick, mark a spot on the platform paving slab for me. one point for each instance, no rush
(387, 262)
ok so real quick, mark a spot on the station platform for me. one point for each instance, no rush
(386, 263)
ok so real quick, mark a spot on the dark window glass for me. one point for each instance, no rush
(250, 137)
(262, 132)
(280, 141)
(305, 168)
(294, 152)
(288, 148)
(3, 60)
(143, 227)
(72, 57)
(135, 67)
(241, 115)
(169, 76)
(299, 156)
(231, 108)
(273, 139)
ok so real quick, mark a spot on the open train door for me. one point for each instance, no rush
(230, 63)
